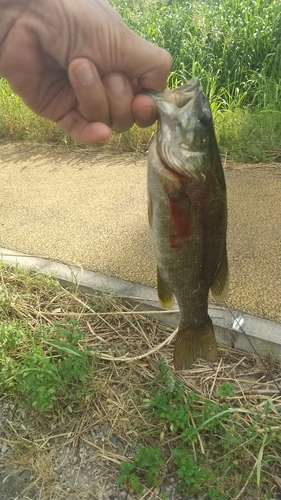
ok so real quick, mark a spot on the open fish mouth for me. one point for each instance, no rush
(182, 95)
(186, 88)
(187, 99)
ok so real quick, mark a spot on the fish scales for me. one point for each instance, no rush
(188, 216)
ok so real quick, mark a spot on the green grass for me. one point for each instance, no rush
(53, 366)
(207, 428)
(247, 136)
(19, 123)
(233, 48)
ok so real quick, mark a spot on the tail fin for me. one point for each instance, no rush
(193, 343)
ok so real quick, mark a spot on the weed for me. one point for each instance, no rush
(146, 466)
(210, 437)
(41, 373)
(245, 135)
(228, 46)
(191, 472)
(225, 390)
(198, 428)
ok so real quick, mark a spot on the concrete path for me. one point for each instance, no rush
(90, 211)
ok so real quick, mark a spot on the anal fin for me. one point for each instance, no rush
(166, 297)
(193, 343)
(219, 288)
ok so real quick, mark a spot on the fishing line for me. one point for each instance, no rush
(238, 322)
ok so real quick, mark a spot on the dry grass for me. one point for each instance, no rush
(127, 343)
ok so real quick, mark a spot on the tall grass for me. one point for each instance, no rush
(18, 122)
(234, 48)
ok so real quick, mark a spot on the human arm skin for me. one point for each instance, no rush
(78, 64)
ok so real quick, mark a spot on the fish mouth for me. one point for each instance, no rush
(182, 132)
(188, 99)
(192, 84)
(181, 95)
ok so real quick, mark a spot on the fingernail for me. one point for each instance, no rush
(116, 84)
(84, 74)
(145, 113)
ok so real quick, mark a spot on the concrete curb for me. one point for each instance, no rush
(262, 334)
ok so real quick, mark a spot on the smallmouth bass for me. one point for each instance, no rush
(187, 214)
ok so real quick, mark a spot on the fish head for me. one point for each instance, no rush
(184, 128)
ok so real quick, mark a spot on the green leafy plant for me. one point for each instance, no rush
(225, 390)
(40, 373)
(208, 433)
(146, 466)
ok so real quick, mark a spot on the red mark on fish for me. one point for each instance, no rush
(181, 220)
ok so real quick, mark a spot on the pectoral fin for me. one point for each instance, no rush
(219, 288)
(166, 297)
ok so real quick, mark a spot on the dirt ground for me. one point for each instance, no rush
(88, 208)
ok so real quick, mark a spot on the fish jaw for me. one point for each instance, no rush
(183, 128)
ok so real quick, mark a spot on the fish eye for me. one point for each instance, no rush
(205, 119)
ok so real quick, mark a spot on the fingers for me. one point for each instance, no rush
(144, 110)
(109, 101)
(89, 91)
(120, 97)
(82, 131)
(90, 133)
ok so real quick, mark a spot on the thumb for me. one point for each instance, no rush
(155, 76)
(148, 64)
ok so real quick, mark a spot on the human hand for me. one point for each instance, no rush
(79, 65)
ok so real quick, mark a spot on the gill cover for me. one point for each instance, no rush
(183, 128)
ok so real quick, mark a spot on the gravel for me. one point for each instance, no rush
(66, 467)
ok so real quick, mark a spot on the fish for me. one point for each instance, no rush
(187, 212)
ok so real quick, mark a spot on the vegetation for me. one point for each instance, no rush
(233, 48)
(215, 430)
(202, 464)
(54, 365)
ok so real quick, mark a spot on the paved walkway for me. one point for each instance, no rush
(90, 211)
